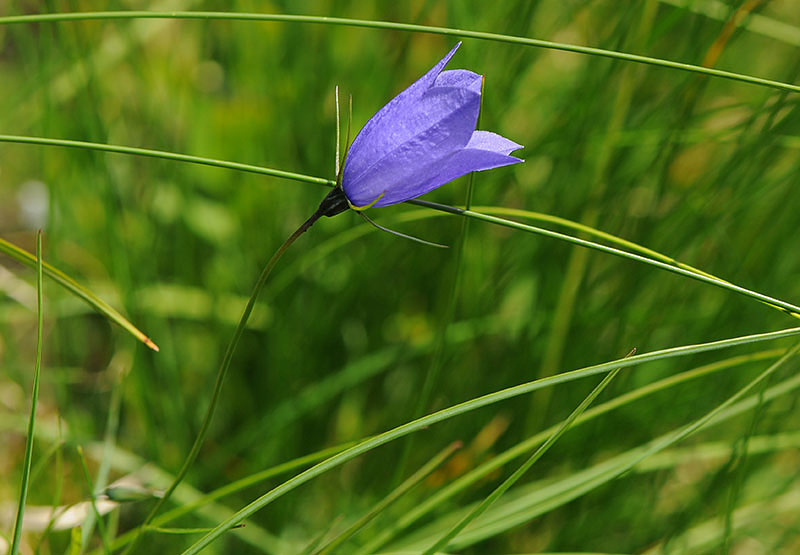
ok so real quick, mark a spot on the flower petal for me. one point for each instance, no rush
(486, 140)
(424, 179)
(461, 78)
(421, 139)
(449, 116)
(388, 127)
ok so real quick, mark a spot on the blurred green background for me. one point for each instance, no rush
(703, 169)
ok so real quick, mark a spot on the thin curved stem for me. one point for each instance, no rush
(222, 372)
(683, 270)
(447, 31)
(706, 278)
(150, 153)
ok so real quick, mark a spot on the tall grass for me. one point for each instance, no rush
(688, 451)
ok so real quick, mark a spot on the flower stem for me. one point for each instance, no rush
(223, 370)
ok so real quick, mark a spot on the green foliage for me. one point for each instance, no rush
(692, 451)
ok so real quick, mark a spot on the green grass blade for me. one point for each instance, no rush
(390, 25)
(472, 477)
(93, 502)
(24, 257)
(680, 269)
(766, 299)
(188, 506)
(174, 156)
(396, 494)
(520, 472)
(26, 468)
(589, 230)
(629, 460)
(341, 240)
(670, 265)
(177, 531)
(468, 406)
(556, 494)
(575, 485)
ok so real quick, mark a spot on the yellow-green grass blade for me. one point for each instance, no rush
(24, 257)
(540, 216)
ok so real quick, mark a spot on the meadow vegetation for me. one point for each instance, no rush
(691, 447)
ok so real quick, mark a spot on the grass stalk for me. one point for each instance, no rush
(474, 404)
(93, 502)
(395, 26)
(462, 483)
(26, 464)
(331, 545)
(578, 483)
(681, 269)
(520, 472)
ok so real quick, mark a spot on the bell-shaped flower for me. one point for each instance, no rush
(423, 138)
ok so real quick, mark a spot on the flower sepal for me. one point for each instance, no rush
(334, 203)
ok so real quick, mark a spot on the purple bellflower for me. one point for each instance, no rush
(423, 138)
